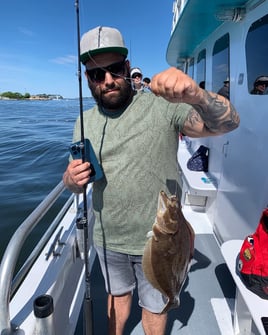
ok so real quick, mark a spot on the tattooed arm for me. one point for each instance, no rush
(212, 114)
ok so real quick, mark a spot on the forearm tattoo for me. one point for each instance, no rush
(217, 115)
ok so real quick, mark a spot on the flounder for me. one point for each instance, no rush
(169, 250)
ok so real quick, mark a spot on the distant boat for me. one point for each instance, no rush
(56, 97)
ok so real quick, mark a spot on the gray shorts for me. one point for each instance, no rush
(121, 272)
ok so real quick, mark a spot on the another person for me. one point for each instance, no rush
(146, 84)
(136, 138)
(260, 85)
(225, 90)
(136, 77)
(202, 84)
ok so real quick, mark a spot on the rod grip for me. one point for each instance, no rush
(88, 317)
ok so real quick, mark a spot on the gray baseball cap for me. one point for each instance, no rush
(100, 40)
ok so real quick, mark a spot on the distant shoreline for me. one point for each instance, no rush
(27, 99)
(40, 98)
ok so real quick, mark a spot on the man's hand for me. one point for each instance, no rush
(176, 86)
(77, 175)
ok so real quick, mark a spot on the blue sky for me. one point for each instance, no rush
(38, 50)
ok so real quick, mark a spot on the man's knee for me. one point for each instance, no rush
(153, 323)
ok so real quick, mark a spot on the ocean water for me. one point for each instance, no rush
(35, 136)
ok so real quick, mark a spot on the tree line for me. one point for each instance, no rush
(15, 95)
(19, 96)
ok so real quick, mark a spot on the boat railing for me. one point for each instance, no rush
(13, 250)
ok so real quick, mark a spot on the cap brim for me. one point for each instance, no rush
(86, 55)
(262, 82)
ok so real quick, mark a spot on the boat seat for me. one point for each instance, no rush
(197, 186)
(248, 305)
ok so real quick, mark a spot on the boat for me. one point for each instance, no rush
(224, 42)
(212, 41)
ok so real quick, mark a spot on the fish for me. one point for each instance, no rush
(168, 251)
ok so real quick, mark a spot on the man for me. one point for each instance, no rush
(224, 91)
(136, 138)
(260, 85)
(136, 76)
(146, 84)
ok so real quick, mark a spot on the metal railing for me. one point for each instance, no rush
(14, 247)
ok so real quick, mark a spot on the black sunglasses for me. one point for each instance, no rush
(97, 75)
(136, 75)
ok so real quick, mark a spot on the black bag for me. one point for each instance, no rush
(199, 159)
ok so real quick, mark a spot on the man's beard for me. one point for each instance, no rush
(113, 104)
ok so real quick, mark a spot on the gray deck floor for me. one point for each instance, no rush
(206, 299)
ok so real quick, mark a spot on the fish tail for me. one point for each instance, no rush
(171, 304)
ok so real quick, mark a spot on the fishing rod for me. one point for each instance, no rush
(88, 319)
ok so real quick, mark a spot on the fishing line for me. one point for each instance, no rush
(88, 330)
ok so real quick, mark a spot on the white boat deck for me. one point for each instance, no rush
(207, 298)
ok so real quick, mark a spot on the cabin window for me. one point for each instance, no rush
(201, 67)
(190, 70)
(256, 57)
(220, 63)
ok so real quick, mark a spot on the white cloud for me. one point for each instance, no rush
(26, 31)
(69, 59)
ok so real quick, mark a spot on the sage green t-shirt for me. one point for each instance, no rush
(137, 150)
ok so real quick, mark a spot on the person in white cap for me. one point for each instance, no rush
(136, 139)
(136, 77)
